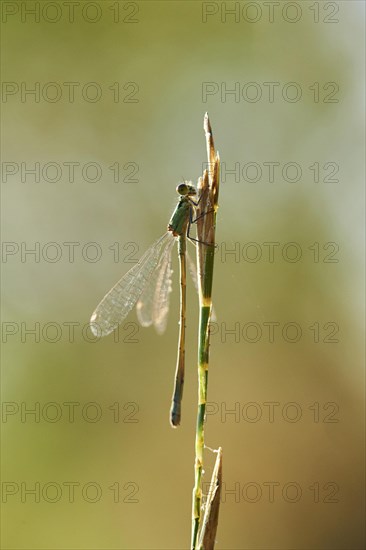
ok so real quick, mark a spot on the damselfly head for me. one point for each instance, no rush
(186, 189)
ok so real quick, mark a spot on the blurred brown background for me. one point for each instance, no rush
(115, 121)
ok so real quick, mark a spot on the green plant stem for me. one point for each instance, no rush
(205, 314)
(206, 223)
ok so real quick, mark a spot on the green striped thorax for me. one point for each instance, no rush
(179, 221)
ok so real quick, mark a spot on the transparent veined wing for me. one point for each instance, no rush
(193, 271)
(153, 305)
(118, 302)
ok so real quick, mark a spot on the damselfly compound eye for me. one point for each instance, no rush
(186, 189)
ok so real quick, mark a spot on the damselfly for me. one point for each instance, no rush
(148, 283)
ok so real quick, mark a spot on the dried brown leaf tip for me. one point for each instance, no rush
(208, 190)
(212, 506)
(213, 160)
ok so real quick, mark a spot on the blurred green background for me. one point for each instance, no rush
(114, 474)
